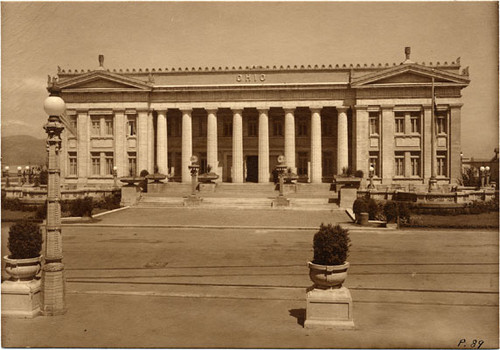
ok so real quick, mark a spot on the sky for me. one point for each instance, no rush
(36, 37)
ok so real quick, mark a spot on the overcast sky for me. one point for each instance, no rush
(38, 37)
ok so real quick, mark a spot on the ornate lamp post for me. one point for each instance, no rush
(481, 175)
(115, 176)
(28, 175)
(371, 186)
(487, 173)
(19, 176)
(53, 286)
(281, 168)
(193, 168)
(6, 175)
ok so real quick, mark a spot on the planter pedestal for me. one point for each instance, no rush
(192, 201)
(347, 196)
(21, 299)
(206, 187)
(280, 202)
(130, 195)
(329, 308)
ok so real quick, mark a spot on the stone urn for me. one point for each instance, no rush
(23, 269)
(208, 177)
(156, 178)
(328, 276)
(131, 180)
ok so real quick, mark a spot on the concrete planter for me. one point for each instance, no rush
(328, 276)
(362, 219)
(22, 269)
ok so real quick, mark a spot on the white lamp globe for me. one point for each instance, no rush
(7, 167)
(27, 167)
(54, 105)
(19, 168)
(115, 168)
(372, 168)
(487, 168)
(481, 168)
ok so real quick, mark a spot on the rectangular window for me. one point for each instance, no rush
(441, 123)
(73, 123)
(108, 125)
(252, 127)
(415, 123)
(441, 164)
(277, 128)
(96, 126)
(96, 163)
(374, 162)
(109, 163)
(131, 126)
(228, 128)
(415, 164)
(302, 163)
(374, 121)
(400, 123)
(399, 166)
(132, 163)
(73, 164)
(302, 128)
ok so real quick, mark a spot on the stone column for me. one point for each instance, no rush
(120, 143)
(187, 144)
(455, 145)
(316, 166)
(342, 140)
(387, 146)
(426, 143)
(263, 146)
(212, 150)
(237, 168)
(362, 139)
(142, 141)
(151, 142)
(83, 146)
(290, 138)
(161, 142)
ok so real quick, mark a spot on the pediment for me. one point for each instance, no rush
(409, 74)
(103, 80)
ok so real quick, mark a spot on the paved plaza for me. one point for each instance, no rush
(237, 278)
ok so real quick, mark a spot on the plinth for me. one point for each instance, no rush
(192, 201)
(21, 299)
(329, 308)
(280, 202)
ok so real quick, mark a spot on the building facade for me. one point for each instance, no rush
(237, 120)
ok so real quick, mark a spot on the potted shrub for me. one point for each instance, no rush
(331, 248)
(359, 207)
(25, 244)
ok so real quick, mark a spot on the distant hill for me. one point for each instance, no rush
(23, 150)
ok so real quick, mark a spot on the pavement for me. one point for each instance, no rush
(188, 278)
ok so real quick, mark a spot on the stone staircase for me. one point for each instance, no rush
(241, 196)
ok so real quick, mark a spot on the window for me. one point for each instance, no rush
(108, 156)
(441, 123)
(415, 163)
(252, 127)
(400, 123)
(73, 164)
(132, 163)
(302, 163)
(374, 120)
(108, 126)
(96, 126)
(374, 162)
(228, 128)
(96, 163)
(277, 128)
(415, 122)
(73, 123)
(302, 127)
(131, 126)
(441, 164)
(399, 166)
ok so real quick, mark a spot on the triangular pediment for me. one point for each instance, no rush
(409, 74)
(103, 80)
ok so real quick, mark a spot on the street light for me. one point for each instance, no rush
(19, 176)
(53, 295)
(115, 176)
(481, 175)
(6, 175)
(487, 172)
(372, 171)
(193, 168)
(26, 175)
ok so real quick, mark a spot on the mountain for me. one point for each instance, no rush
(23, 150)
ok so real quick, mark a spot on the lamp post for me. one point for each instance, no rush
(372, 171)
(481, 175)
(28, 175)
(487, 173)
(194, 172)
(280, 168)
(6, 175)
(53, 286)
(19, 176)
(115, 176)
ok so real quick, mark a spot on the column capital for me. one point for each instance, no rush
(237, 110)
(186, 110)
(161, 112)
(386, 106)
(342, 109)
(119, 110)
(211, 110)
(261, 110)
(289, 109)
(360, 108)
(315, 109)
(82, 111)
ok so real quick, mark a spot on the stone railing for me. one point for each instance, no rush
(37, 195)
(465, 196)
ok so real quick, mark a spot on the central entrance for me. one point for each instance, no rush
(252, 169)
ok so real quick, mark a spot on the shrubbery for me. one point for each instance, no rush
(25, 240)
(331, 245)
(393, 210)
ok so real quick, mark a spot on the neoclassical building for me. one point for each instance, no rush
(237, 120)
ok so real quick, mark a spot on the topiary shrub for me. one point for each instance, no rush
(393, 210)
(25, 240)
(359, 173)
(144, 183)
(360, 206)
(82, 207)
(331, 245)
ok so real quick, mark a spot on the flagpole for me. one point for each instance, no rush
(432, 180)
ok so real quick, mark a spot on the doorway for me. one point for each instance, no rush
(252, 169)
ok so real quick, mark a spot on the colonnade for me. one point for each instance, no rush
(315, 175)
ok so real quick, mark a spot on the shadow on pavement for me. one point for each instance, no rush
(299, 314)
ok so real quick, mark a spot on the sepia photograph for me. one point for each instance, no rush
(250, 174)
